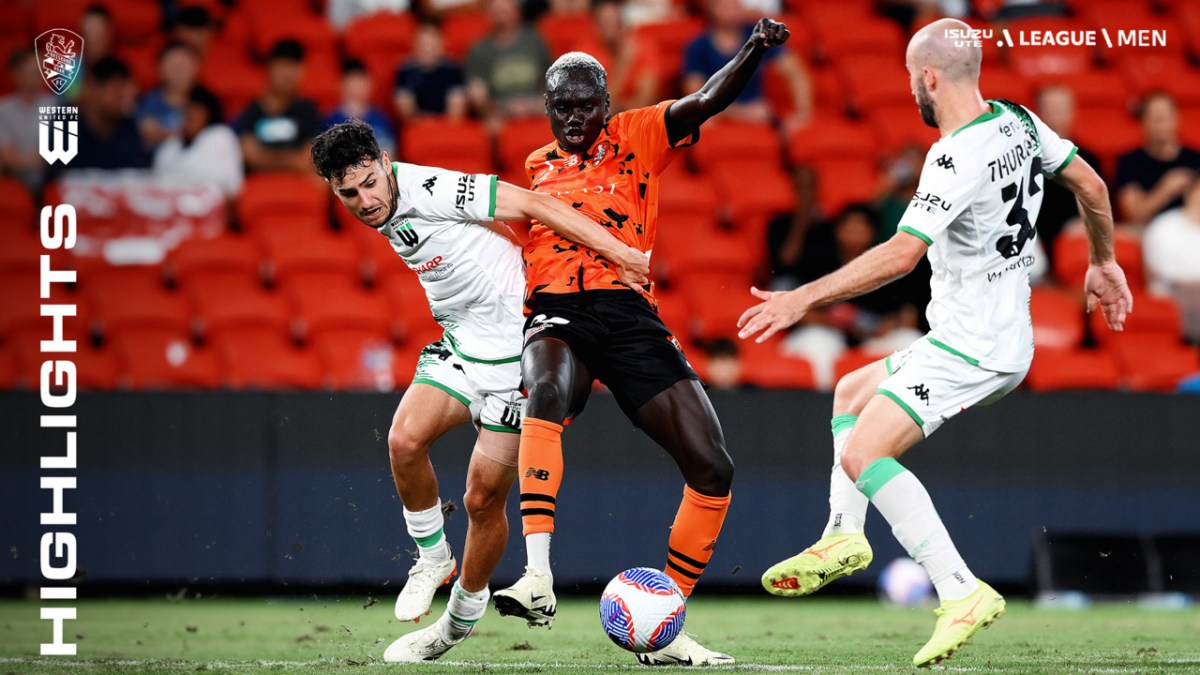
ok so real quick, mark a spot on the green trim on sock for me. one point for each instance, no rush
(840, 423)
(900, 402)
(428, 542)
(462, 621)
(877, 475)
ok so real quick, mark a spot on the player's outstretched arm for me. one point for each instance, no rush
(688, 113)
(514, 203)
(1105, 283)
(779, 309)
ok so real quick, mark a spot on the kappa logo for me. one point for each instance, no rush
(428, 184)
(920, 392)
(511, 418)
(60, 52)
(946, 162)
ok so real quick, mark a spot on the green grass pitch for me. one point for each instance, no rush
(823, 635)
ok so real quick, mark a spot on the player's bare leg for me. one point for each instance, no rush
(682, 420)
(842, 549)
(557, 384)
(883, 434)
(489, 479)
(425, 413)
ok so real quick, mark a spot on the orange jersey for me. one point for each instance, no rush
(614, 184)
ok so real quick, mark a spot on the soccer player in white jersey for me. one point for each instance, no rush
(443, 225)
(973, 214)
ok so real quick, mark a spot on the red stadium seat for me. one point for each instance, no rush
(699, 246)
(288, 255)
(261, 358)
(717, 299)
(749, 210)
(1057, 318)
(671, 37)
(832, 136)
(899, 125)
(236, 254)
(235, 303)
(764, 365)
(17, 20)
(10, 378)
(1154, 361)
(1072, 369)
(322, 79)
(17, 209)
(322, 306)
(1152, 315)
(1150, 72)
(383, 38)
(60, 14)
(22, 252)
(458, 145)
(281, 194)
(125, 298)
(1108, 132)
(853, 359)
(357, 358)
(272, 23)
(999, 82)
(137, 20)
(828, 91)
(516, 141)
(867, 34)
(566, 32)
(157, 358)
(1071, 259)
(461, 30)
(1189, 125)
(229, 72)
(410, 306)
(1132, 20)
(841, 181)
(872, 80)
(1094, 88)
(732, 140)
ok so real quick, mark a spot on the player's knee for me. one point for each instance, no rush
(714, 476)
(854, 462)
(483, 500)
(405, 444)
(547, 400)
(852, 392)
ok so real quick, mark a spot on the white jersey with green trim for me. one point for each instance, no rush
(473, 275)
(975, 206)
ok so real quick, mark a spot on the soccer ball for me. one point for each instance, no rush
(904, 583)
(642, 610)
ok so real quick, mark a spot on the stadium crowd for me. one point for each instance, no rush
(273, 289)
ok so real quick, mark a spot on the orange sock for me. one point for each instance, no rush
(541, 463)
(694, 536)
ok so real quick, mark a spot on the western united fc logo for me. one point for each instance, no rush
(60, 52)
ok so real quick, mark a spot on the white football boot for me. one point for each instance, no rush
(531, 598)
(427, 644)
(685, 651)
(424, 578)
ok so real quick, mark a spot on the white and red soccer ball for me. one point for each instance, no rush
(642, 610)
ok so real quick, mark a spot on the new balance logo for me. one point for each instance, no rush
(540, 474)
(946, 163)
(428, 184)
(920, 392)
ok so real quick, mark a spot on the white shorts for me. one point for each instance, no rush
(932, 384)
(491, 390)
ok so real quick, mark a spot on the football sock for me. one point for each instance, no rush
(463, 610)
(906, 505)
(694, 536)
(847, 506)
(425, 527)
(540, 461)
(537, 550)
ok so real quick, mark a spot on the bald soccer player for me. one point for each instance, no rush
(973, 215)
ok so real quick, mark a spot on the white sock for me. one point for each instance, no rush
(537, 550)
(847, 506)
(463, 611)
(425, 527)
(906, 505)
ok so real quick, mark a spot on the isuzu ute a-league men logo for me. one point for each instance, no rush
(60, 51)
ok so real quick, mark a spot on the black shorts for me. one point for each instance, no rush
(617, 336)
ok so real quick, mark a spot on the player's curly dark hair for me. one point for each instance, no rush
(343, 147)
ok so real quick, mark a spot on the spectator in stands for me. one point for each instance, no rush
(108, 133)
(205, 150)
(160, 110)
(356, 103)
(788, 233)
(1056, 107)
(429, 83)
(19, 154)
(724, 364)
(95, 27)
(632, 62)
(884, 320)
(728, 31)
(194, 26)
(1171, 247)
(505, 70)
(1153, 178)
(341, 12)
(277, 129)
